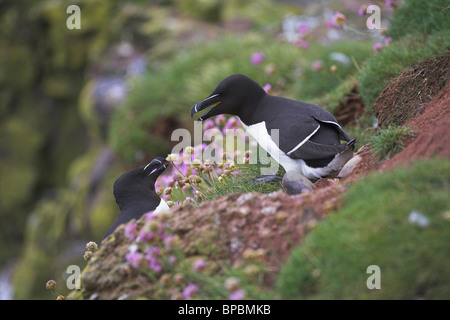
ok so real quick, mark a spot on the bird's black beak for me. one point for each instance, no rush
(156, 166)
(212, 100)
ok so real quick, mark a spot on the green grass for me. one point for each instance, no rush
(212, 184)
(388, 142)
(420, 17)
(372, 228)
(242, 183)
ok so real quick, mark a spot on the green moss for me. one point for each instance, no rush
(373, 229)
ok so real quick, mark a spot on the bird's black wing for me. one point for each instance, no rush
(306, 131)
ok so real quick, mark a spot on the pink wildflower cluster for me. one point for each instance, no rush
(185, 181)
(377, 46)
(390, 3)
(199, 265)
(189, 291)
(134, 258)
(153, 256)
(257, 58)
(303, 31)
(337, 21)
(157, 240)
(233, 284)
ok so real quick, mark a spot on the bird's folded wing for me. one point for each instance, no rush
(311, 151)
(342, 134)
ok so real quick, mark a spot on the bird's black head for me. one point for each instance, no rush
(235, 95)
(138, 184)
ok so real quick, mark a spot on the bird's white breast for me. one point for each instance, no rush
(163, 206)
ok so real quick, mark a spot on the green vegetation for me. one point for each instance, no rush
(56, 182)
(384, 66)
(389, 141)
(372, 228)
(420, 18)
(242, 183)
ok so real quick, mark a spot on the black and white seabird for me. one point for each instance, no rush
(309, 137)
(135, 193)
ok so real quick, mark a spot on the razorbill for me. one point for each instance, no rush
(135, 192)
(309, 137)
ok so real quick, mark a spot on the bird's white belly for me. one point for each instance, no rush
(163, 206)
(259, 132)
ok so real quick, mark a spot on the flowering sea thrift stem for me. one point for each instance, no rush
(189, 291)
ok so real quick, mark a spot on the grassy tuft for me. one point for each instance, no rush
(242, 183)
(390, 141)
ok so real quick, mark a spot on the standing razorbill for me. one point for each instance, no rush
(135, 193)
(309, 137)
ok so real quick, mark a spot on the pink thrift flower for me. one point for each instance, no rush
(149, 216)
(155, 266)
(339, 18)
(257, 58)
(208, 124)
(267, 87)
(237, 295)
(168, 242)
(189, 291)
(317, 65)
(172, 259)
(220, 119)
(145, 236)
(377, 46)
(362, 11)
(153, 262)
(199, 265)
(134, 259)
(130, 230)
(331, 24)
(303, 29)
(304, 44)
(230, 123)
(388, 41)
